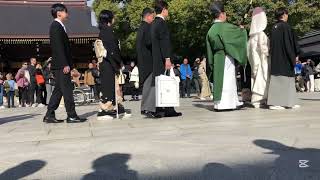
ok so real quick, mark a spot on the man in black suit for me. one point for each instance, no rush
(161, 51)
(61, 65)
(145, 64)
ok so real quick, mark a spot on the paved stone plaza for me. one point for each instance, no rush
(250, 144)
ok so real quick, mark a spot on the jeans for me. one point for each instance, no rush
(10, 97)
(1, 95)
(197, 84)
(186, 87)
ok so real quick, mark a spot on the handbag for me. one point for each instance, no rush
(167, 90)
(121, 78)
(100, 50)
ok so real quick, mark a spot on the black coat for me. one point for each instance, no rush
(284, 50)
(144, 51)
(32, 72)
(111, 43)
(161, 45)
(60, 47)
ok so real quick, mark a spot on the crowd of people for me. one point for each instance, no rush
(274, 65)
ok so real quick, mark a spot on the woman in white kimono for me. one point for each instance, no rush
(258, 54)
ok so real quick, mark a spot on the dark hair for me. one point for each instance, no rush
(217, 8)
(105, 17)
(280, 12)
(146, 11)
(160, 5)
(57, 8)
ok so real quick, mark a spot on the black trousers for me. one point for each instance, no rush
(63, 88)
(23, 95)
(41, 94)
(186, 87)
(31, 92)
(107, 77)
(134, 90)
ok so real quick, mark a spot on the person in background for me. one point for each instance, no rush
(75, 75)
(309, 75)
(49, 78)
(33, 84)
(134, 82)
(41, 87)
(94, 63)
(9, 86)
(89, 79)
(1, 90)
(186, 76)
(23, 84)
(317, 78)
(205, 87)
(196, 77)
(298, 68)
(96, 74)
(299, 81)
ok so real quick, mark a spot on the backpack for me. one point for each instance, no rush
(100, 50)
(40, 79)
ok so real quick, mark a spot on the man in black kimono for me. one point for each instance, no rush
(61, 65)
(284, 52)
(144, 56)
(161, 51)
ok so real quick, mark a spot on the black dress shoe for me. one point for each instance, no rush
(173, 114)
(144, 112)
(76, 119)
(152, 115)
(51, 120)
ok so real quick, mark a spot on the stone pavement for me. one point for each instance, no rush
(250, 144)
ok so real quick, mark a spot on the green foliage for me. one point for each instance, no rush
(190, 20)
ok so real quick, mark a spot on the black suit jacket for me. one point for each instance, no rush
(111, 43)
(144, 51)
(161, 45)
(60, 47)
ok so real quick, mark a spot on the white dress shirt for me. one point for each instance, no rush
(58, 20)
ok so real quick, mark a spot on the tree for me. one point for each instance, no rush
(190, 20)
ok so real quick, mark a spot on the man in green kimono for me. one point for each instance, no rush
(225, 44)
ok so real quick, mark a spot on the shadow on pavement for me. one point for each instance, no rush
(17, 118)
(112, 167)
(290, 164)
(305, 99)
(23, 170)
(88, 114)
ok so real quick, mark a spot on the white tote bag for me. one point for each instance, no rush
(167, 90)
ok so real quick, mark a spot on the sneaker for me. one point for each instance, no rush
(276, 108)
(106, 115)
(256, 105)
(34, 105)
(122, 112)
(296, 107)
(41, 105)
(27, 105)
(20, 106)
(211, 97)
(203, 99)
(2, 107)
